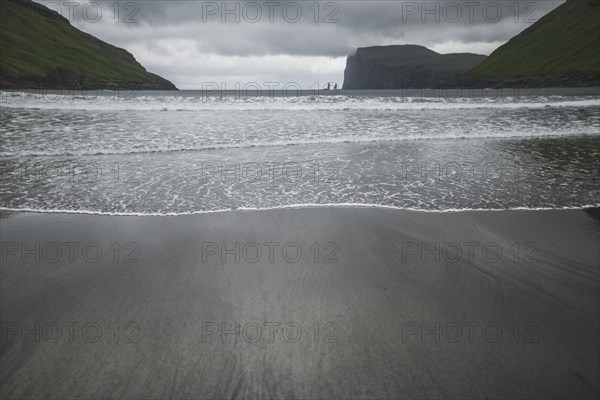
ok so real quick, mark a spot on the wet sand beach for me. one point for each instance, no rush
(301, 303)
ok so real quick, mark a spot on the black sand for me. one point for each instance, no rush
(370, 306)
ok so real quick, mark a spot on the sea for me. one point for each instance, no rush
(189, 152)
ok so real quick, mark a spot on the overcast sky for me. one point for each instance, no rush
(193, 43)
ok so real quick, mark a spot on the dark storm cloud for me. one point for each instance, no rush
(188, 43)
(276, 27)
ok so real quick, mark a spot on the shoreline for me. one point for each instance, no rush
(592, 207)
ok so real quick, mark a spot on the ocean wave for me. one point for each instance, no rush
(284, 143)
(304, 103)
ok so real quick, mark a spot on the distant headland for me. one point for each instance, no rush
(393, 67)
(560, 50)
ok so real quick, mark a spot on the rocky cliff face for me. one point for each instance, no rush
(397, 67)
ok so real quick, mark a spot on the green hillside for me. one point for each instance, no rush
(40, 47)
(564, 46)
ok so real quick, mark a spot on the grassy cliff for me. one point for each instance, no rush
(562, 48)
(38, 47)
